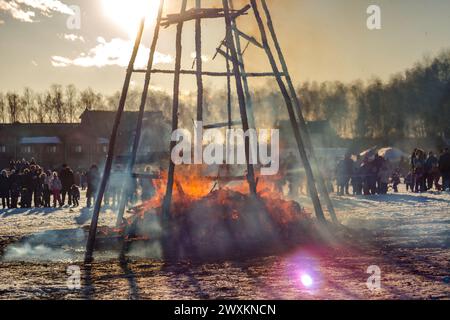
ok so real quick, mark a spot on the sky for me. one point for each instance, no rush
(322, 40)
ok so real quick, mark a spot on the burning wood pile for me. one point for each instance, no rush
(210, 222)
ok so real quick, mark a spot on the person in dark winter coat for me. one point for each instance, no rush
(370, 173)
(377, 167)
(67, 180)
(4, 189)
(409, 182)
(432, 174)
(419, 171)
(75, 195)
(357, 179)
(39, 189)
(15, 184)
(26, 189)
(93, 181)
(444, 167)
(36, 190)
(46, 192)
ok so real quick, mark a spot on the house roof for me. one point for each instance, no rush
(94, 125)
(22, 130)
(102, 121)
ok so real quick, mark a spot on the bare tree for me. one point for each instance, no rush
(71, 102)
(13, 106)
(58, 106)
(90, 100)
(2, 108)
(28, 105)
(43, 110)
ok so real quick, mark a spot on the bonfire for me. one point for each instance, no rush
(212, 219)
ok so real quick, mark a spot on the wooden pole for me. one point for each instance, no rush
(137, 136)
(109, 160)
(198, 51)
(229, 110)
(176, 96)
(248, 97)
(298, 137)
(240, 94)
(209, 73)
(302, 123)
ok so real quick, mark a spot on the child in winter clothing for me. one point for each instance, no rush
(75, 195)
(396, 179)
(56, 187)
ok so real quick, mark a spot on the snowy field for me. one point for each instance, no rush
(407, 236)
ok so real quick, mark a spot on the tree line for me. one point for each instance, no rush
(414, 103)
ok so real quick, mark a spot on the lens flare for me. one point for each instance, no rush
(306, 280)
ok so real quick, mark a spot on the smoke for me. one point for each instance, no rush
(28, 252)
(58, 245)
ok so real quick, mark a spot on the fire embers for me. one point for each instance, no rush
(219, 224)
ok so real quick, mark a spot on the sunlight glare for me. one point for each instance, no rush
(128, 13)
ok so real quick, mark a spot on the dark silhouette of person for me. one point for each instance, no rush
(67, 180)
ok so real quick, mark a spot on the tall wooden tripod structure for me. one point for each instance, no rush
(233, 55)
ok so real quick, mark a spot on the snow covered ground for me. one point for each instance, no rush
(407, 236)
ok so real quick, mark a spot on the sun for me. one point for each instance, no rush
(128, 13)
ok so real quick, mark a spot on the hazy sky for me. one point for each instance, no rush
(322, 40)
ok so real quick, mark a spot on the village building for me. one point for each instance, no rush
(82, 144)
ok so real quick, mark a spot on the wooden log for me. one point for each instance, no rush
(176, 97)
(198, 51)
(241, 96)
(302, 122)
(248, 97)
(229, 96)
(250, 39)
(228, 124)
(298, 137)
(138, 130)
(227, 56)
(112, 141)
(195, 14)
(210, 73)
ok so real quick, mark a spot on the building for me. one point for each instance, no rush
(322, 134)
(84, 143)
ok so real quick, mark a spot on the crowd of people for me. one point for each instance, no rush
(373, 174)
(26, 184)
